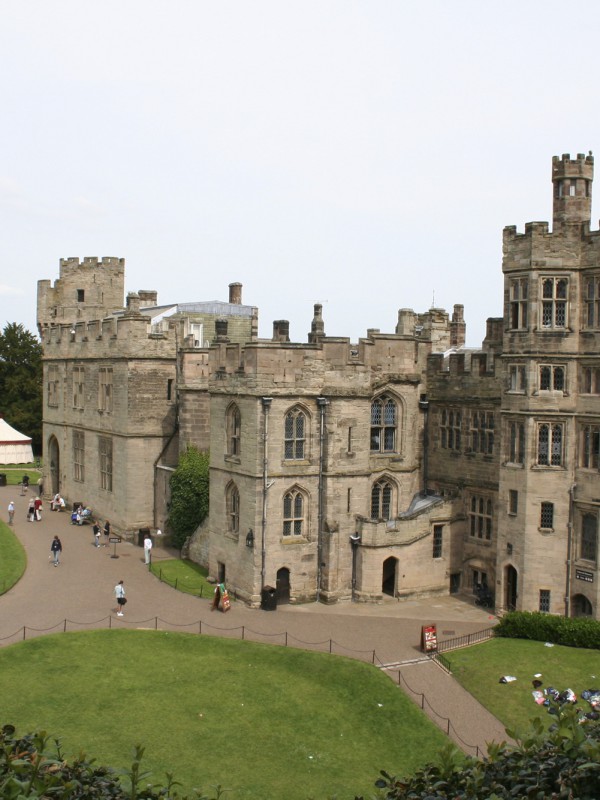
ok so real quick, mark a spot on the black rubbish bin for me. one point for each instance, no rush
(2, 479)
(268, 599)
(142, 535)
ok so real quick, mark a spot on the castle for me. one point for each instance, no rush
(404, 464)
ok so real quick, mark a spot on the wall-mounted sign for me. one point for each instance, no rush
(583, 575)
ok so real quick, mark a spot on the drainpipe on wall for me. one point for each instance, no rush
(424, 406)
(569, 550)
(321, 403)
(266, 404)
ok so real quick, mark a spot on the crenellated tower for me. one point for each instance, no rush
(572, 190)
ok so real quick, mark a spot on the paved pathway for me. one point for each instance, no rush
(80, 591)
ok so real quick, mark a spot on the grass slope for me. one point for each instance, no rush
(12, 558)
(266, 722)
(480, 668)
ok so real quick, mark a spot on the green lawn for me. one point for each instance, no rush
(12, 558)
(15, 472)
(185, 576)
(266, 722)
(479, 669)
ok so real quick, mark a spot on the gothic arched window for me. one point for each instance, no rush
(295, 434)
(234, 430)
(381, 500)
(384, 413)
(294, 523)
(232, 500)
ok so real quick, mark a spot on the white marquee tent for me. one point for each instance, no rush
(15, 447)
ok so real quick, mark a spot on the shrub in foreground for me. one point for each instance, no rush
(544, 765)
(33, 766)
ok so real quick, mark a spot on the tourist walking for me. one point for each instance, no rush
(40, 484)
(96, 530)
(37, 504)
(148, 548)
(31, 510)
(121, 599)
(106, 532)
(56, 550)
(11, 512)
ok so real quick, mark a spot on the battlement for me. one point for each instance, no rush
(90, 262)
(565, 166)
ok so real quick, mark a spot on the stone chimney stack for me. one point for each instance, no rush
(148, 297)
(458, 326)
(317, 328)
(235, 294)
(281, 330)
(133, 304)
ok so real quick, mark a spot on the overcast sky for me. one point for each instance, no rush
(363, 155)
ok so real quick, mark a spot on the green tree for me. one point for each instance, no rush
(189, 494)
(21, 382)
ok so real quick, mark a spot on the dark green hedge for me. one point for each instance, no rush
(573, 632)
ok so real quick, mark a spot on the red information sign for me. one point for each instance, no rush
(225, 601)
(428, 638)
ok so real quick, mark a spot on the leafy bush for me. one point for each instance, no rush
(33, 766)
(571, 632)
(189, 494)
(561, 763)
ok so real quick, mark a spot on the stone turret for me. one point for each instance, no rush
(572, 189)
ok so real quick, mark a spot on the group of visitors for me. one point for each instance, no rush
(34, 510)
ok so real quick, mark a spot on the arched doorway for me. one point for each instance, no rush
(388, 578)
(510, 588)
(581, 606)
(54, 462)
(282, 585)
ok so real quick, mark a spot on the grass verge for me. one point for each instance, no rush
(13, 559)
(265, 722)
(479, 669)
(185, 576)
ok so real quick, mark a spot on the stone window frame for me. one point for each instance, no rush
(105, 453)
(232, 504)
(79, 456)
(550, 444)
(382, 499)
(590, 379)
(450, 426)
(591, 302)
(481, 517)
(589, 447)
(481, 432)
(105, 389)
(547, 513)
(233, 428)
(295, 507)
(554, 302)
(513, 502)
(53, 382)
(385, 427)
(296, 433)
(518, 303)
(588, 537)
(552, 378)
(545, 600)
(516, 441)
(437, 546)
(78, 377)
(517, 377)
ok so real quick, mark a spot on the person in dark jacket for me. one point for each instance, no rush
(56, 550)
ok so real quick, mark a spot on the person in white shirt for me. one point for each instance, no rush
(121, 599)
(11, 512)
(148, 549)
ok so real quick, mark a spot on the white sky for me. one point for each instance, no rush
(362, 155)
